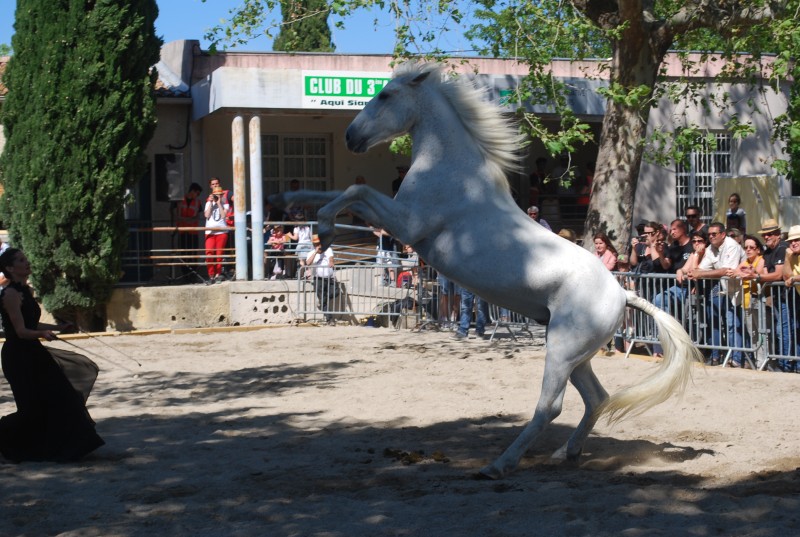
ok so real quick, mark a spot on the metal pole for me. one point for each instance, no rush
(239, 197)
(257, 200)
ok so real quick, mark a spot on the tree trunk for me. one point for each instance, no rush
(636, 61)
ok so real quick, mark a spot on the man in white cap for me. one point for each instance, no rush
(791, 265)
(791, 276)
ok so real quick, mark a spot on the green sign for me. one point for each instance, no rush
(343, 86)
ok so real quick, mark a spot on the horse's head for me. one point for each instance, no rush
(391, 113)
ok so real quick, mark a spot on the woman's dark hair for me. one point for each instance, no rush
(603, 237)
(756, 240)
(702, 234)
(7, 259)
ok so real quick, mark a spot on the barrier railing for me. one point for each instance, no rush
(361, 292)
(734, 321)
(730, 322)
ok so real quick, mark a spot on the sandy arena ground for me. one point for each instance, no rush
(334, 431)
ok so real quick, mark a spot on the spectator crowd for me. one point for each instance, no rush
(734, 291)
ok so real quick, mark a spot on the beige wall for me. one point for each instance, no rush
(211, 136)
(656, 196)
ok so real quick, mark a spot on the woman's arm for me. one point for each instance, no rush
(686, 271)
(12, 303)
(609, 260)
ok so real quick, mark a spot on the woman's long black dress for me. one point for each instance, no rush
(51, 422)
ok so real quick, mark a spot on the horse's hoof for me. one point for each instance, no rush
(560, 454)
(488, 473)
(573, 457)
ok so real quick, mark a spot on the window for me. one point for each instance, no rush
(695, 182)
(305, 158)
(169, 176)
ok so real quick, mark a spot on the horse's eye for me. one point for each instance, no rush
(383, 95)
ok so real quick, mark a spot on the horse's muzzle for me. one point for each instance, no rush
(355, 143)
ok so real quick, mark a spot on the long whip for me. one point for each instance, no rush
(103, 358)
(100, 340)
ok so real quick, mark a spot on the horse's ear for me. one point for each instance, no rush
(419, 79)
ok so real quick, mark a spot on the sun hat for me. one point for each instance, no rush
(315, 239)
(794, 233)
(768, 226)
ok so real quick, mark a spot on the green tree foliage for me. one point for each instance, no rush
(78, 115)
(5, 49)
(634, 37)
(304, 27)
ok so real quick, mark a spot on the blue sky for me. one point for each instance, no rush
(189, 19)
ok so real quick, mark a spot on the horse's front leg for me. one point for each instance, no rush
(371, 206)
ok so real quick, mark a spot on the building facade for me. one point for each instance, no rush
(305, 102)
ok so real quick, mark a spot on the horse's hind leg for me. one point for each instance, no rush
(593, 395)
(556, 374)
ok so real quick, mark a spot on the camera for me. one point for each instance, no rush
(215, 197)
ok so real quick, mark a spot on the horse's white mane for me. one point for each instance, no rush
(497, 138)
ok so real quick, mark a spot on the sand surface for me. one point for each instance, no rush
(350, 431)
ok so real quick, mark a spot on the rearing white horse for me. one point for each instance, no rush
(454, 207)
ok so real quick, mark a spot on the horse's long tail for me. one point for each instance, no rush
(671, 377)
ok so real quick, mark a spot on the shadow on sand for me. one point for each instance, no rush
(173, 470)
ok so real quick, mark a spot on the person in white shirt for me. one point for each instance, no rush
(721, 260)
(321, 264)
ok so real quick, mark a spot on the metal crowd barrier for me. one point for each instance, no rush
(512, 322)
(764, 328)
(364, 293)
(761, 329)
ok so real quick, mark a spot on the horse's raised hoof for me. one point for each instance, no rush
(326, 239)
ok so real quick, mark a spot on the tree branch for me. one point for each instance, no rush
(723, 15)
(604, 13)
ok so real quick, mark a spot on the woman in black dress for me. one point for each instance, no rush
(51, 422)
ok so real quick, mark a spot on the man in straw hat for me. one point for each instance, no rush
(774, 257)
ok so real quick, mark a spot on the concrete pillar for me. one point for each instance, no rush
(239, 197)
(256, 200)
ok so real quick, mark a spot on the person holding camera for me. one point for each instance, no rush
(216, 211)
(321, 263)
